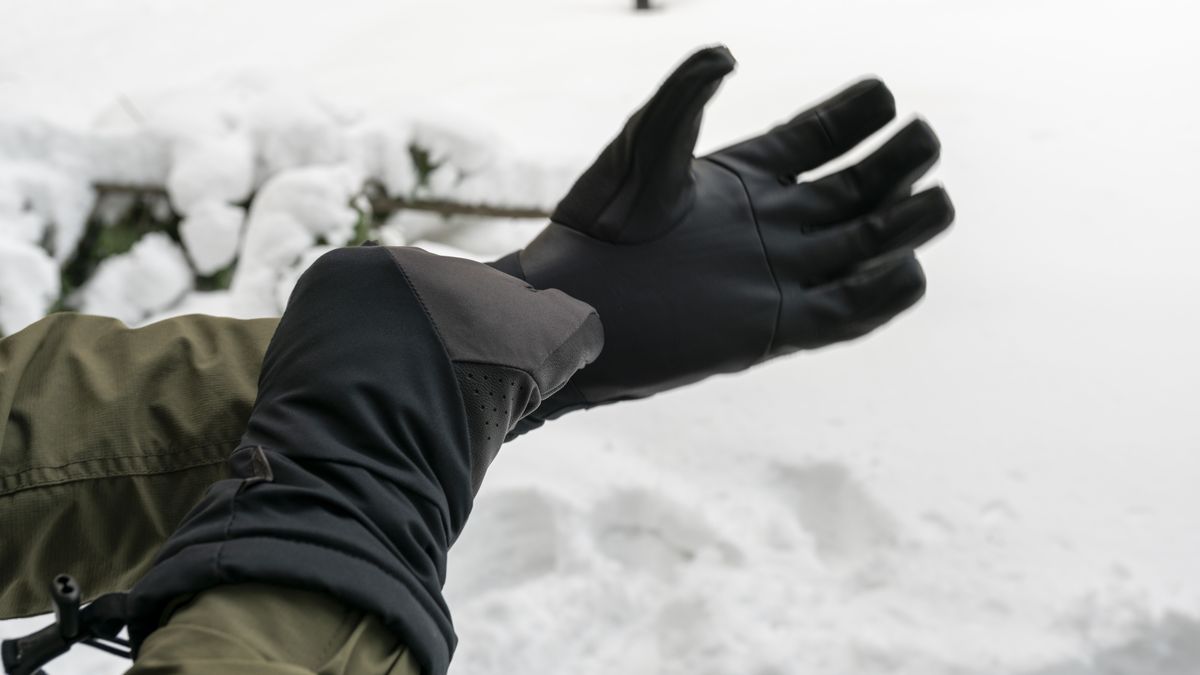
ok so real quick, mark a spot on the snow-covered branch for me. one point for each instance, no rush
(382, 204)
(216, 200)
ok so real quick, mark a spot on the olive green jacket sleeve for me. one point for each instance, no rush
(109, 436)
(261, 629)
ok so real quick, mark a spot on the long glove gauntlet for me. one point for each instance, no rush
(390, 383)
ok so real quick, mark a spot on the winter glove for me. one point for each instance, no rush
(711, 265)
(387, 388)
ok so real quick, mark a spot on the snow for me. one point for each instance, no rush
(23, 264)
(292, 212)
(1003, 481)
(477, 166)
(211, 232)
(214, 146)
(203, 172)
(40, 202)
(143, 281)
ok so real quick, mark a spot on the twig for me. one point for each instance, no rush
(382, 204)
(131, 110)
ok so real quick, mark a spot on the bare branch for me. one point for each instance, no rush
(382, 204)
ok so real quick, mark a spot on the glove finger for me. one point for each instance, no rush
(665, 129)
(885, 174)
(859, 303)
(637, 185)
(818, 134)
(827, 254)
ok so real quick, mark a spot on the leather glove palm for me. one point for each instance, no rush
(711, 265)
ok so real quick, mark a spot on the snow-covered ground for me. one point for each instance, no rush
(1003, 481)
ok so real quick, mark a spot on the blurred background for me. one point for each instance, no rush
(1001, 481)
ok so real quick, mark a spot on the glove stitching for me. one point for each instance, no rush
(466, 433)
(766, 257)
(689, 98)
(829, 142)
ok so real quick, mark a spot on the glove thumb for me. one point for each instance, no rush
(641, 184)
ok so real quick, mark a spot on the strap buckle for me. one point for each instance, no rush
(96, 625)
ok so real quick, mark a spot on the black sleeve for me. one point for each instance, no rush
(353, 477)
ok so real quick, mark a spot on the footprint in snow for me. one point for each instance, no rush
(649, 532)
(847, 525)
(514, 536)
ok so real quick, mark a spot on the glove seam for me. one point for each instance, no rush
(626, 174)
(766, 256)
(631, 168)
(543, 394)
(829, 142)
(462, 401)
(420, 301)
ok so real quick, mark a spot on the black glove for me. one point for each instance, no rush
(387, 389)
(711, 265)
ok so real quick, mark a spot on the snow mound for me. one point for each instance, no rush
(211, 232)
(1002, 482)
(134, 285)
(30, 268)
(299, 159)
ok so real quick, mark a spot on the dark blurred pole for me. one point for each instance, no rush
(642, 4)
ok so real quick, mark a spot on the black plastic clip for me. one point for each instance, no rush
(96, 625)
